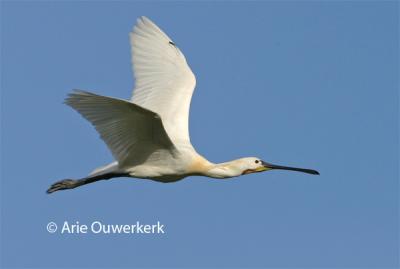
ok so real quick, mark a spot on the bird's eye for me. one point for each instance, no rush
(257, 161)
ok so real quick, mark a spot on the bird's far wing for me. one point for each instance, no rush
(122, 125)
(164, 83)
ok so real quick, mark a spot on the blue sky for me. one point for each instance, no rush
(309, 84)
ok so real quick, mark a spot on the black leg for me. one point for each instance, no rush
(67, 184)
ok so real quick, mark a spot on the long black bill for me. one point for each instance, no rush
(273, 166)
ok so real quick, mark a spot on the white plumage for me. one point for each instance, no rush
(121, 124)
(149, 135)
(164, 83)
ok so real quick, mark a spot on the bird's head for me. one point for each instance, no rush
(246, 166)
(254, 165)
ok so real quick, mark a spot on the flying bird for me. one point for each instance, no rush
(149, 134)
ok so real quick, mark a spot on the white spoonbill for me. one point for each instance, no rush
(149, 135)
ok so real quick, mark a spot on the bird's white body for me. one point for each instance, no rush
(149, 134)
(162, 166)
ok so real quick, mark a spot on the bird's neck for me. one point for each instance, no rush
(201, 166)
(224, 170)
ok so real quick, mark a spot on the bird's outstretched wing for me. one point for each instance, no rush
(164, 83)
(125, 127)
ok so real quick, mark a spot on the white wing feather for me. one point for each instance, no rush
(164, 83)
(131, 132)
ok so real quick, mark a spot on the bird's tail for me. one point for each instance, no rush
(67, 184)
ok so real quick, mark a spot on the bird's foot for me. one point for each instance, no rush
(63, 185)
